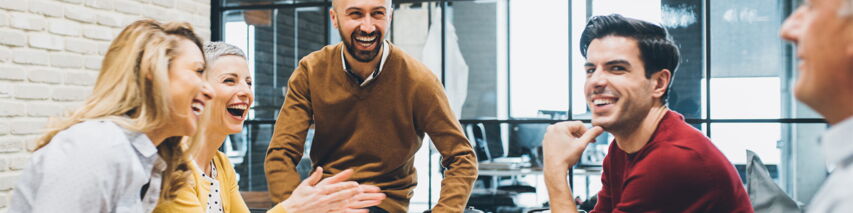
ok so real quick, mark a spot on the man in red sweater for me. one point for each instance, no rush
(657, 162)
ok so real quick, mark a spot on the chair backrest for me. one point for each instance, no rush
(526, 139)
(486, 140)
(477, 137)
(494, 139)
(528, 135)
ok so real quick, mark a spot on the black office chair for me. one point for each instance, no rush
(485, 198)
(486, 139)
(476, 136)
(526, 139)
(491, 146)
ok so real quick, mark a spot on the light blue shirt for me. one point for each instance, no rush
(93, 166)
(836, 194)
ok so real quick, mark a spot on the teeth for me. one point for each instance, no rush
(239, 106)
(365, 39)
(197, 108)
(602, 101)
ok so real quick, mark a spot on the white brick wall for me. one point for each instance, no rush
(50, 53)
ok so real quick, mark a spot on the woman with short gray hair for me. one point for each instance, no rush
(216, 49)
(214, 187)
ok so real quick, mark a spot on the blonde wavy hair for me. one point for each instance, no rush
(132, 91)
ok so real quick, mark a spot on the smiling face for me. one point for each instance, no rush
(362, 25)
(617, 91)
(230, 78)
(825, 49)
(188, 93)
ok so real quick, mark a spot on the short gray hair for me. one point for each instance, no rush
(216, 49)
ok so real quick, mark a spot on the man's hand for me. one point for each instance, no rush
(564, 142)
(313, 195)
(563, 145)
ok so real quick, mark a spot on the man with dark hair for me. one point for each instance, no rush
(371, 104)
(657, 162)
(823, 33)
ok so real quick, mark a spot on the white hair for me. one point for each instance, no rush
(216, 49)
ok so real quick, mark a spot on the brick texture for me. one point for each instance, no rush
(50, 56)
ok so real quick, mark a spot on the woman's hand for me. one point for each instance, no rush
(330, 194)
(370, 196)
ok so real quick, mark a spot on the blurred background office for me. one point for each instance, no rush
(510, 68)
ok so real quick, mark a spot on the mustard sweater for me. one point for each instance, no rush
(193, 197)
(375, 129)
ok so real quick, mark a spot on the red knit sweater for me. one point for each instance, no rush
(679, 170)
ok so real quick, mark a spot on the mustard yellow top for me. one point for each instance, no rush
(193, 197)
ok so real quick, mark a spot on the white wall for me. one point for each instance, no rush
(50, 54)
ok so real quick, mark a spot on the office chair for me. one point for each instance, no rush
(526, 139)
(488, 198)
(491, 145)
(476, 136)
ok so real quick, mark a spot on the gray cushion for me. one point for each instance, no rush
(765, 195)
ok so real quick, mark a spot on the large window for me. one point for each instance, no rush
(510, 67)
(274, 39)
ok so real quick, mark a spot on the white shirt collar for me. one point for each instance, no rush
(142, 144)
(837, 144)
(146, 148)
(385, 50)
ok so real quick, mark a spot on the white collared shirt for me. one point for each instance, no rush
(375, 73)
(836, 195)
(93, 166)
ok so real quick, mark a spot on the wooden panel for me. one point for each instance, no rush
(257, 199)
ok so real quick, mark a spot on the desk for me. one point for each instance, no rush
(257, 199)
(581, 170)
(505, 169)
(586, 171)
(510, 172)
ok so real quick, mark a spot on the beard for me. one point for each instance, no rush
(363, 56)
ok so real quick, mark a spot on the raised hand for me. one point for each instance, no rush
(565, 142)
(563, 146)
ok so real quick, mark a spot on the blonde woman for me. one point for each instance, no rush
(214, 187)
(112, 154)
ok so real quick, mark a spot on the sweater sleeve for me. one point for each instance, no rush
(433, 114)
(667, 180)
(288, 140)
